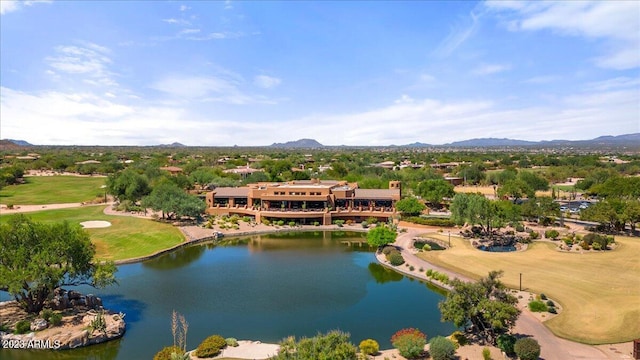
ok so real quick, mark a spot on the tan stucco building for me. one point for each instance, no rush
(305, 201)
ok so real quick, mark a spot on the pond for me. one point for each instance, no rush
(497, 248)
(263, 287)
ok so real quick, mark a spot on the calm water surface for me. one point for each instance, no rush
(262, 288)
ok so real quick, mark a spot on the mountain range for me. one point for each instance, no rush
(627, 140)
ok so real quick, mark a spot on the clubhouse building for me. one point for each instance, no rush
(305, 201)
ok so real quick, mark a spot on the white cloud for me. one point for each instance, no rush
(489, 69)
(542, 79)
(266, 82)
(461, 32)
(404, 99)
(90, 61)
(616, 22)
(175, 21)
(7, 6)
(184, 8)
(84, 118)
(225, 88)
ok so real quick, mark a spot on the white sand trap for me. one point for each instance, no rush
(95, 224)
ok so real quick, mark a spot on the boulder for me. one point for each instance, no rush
(74, 295)
(39, 324)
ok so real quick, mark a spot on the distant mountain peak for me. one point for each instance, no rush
(174, 144)
(18, 142)
(302, 143)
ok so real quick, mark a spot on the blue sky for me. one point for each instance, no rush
(354, 73)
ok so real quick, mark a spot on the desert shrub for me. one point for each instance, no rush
(430, 221)
(334, 345)
(441, 348)
(533, 235)
(211, 346)
(552, 310)
(426, 247)
(527, 349)
(55, 319)
(369, 347)
(543, 296)
(46, 314)
(395, 258)
(411, 268)
(519, 227)
(23, 327)
(348, 222)
(410, 342)
(429, 272)
(168, 353)
(280, 222)
(486, 354)
(372, 220)
(233, 342)
(292, 223)
(266, 222)
(550, 303)
(596, 246)
(551, 234)
(506, 342)
(459, 338)
(537, 306)
(316, 223)
(364, 224)
(388, 249)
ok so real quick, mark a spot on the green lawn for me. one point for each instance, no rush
(41, 190)
(126, 238)
(599, 292)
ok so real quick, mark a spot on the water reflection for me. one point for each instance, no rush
(382, 274)
(176, 259)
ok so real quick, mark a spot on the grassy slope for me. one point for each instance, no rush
(126, 238)
(41, 190)
(599, 292)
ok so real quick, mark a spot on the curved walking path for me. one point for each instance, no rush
(552, 347)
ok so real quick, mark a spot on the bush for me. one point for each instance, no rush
(340, 223)
(395, 258)
(369, 347)
(550, 303)
(292, 223)
(334, 345)
(519, 227)
(56, 319)
(211, 346)
(410, 342)
(388, 249)
(429, 272)
(364, 224)
(46, 314)
(430, 221)
(527, 349)
(533, 235)
(543, 296)
(23, 327)
(537, 306)
(168, 352)
(280, 223)
(552, 310)
(316, 223)
(459, 338)
(233, 342)
(506, 342)
(551, 234)
(441, 348)
(486, 354)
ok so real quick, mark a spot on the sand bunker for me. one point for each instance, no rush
(95, 224)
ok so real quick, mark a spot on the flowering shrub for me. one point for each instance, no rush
(410, 342)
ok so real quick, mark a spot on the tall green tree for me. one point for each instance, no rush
(36, 258)
(410, 206)
(381, 235)
(128, 185)
(435, 190)
(475, 209)
(173, 201)
(485, 306)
